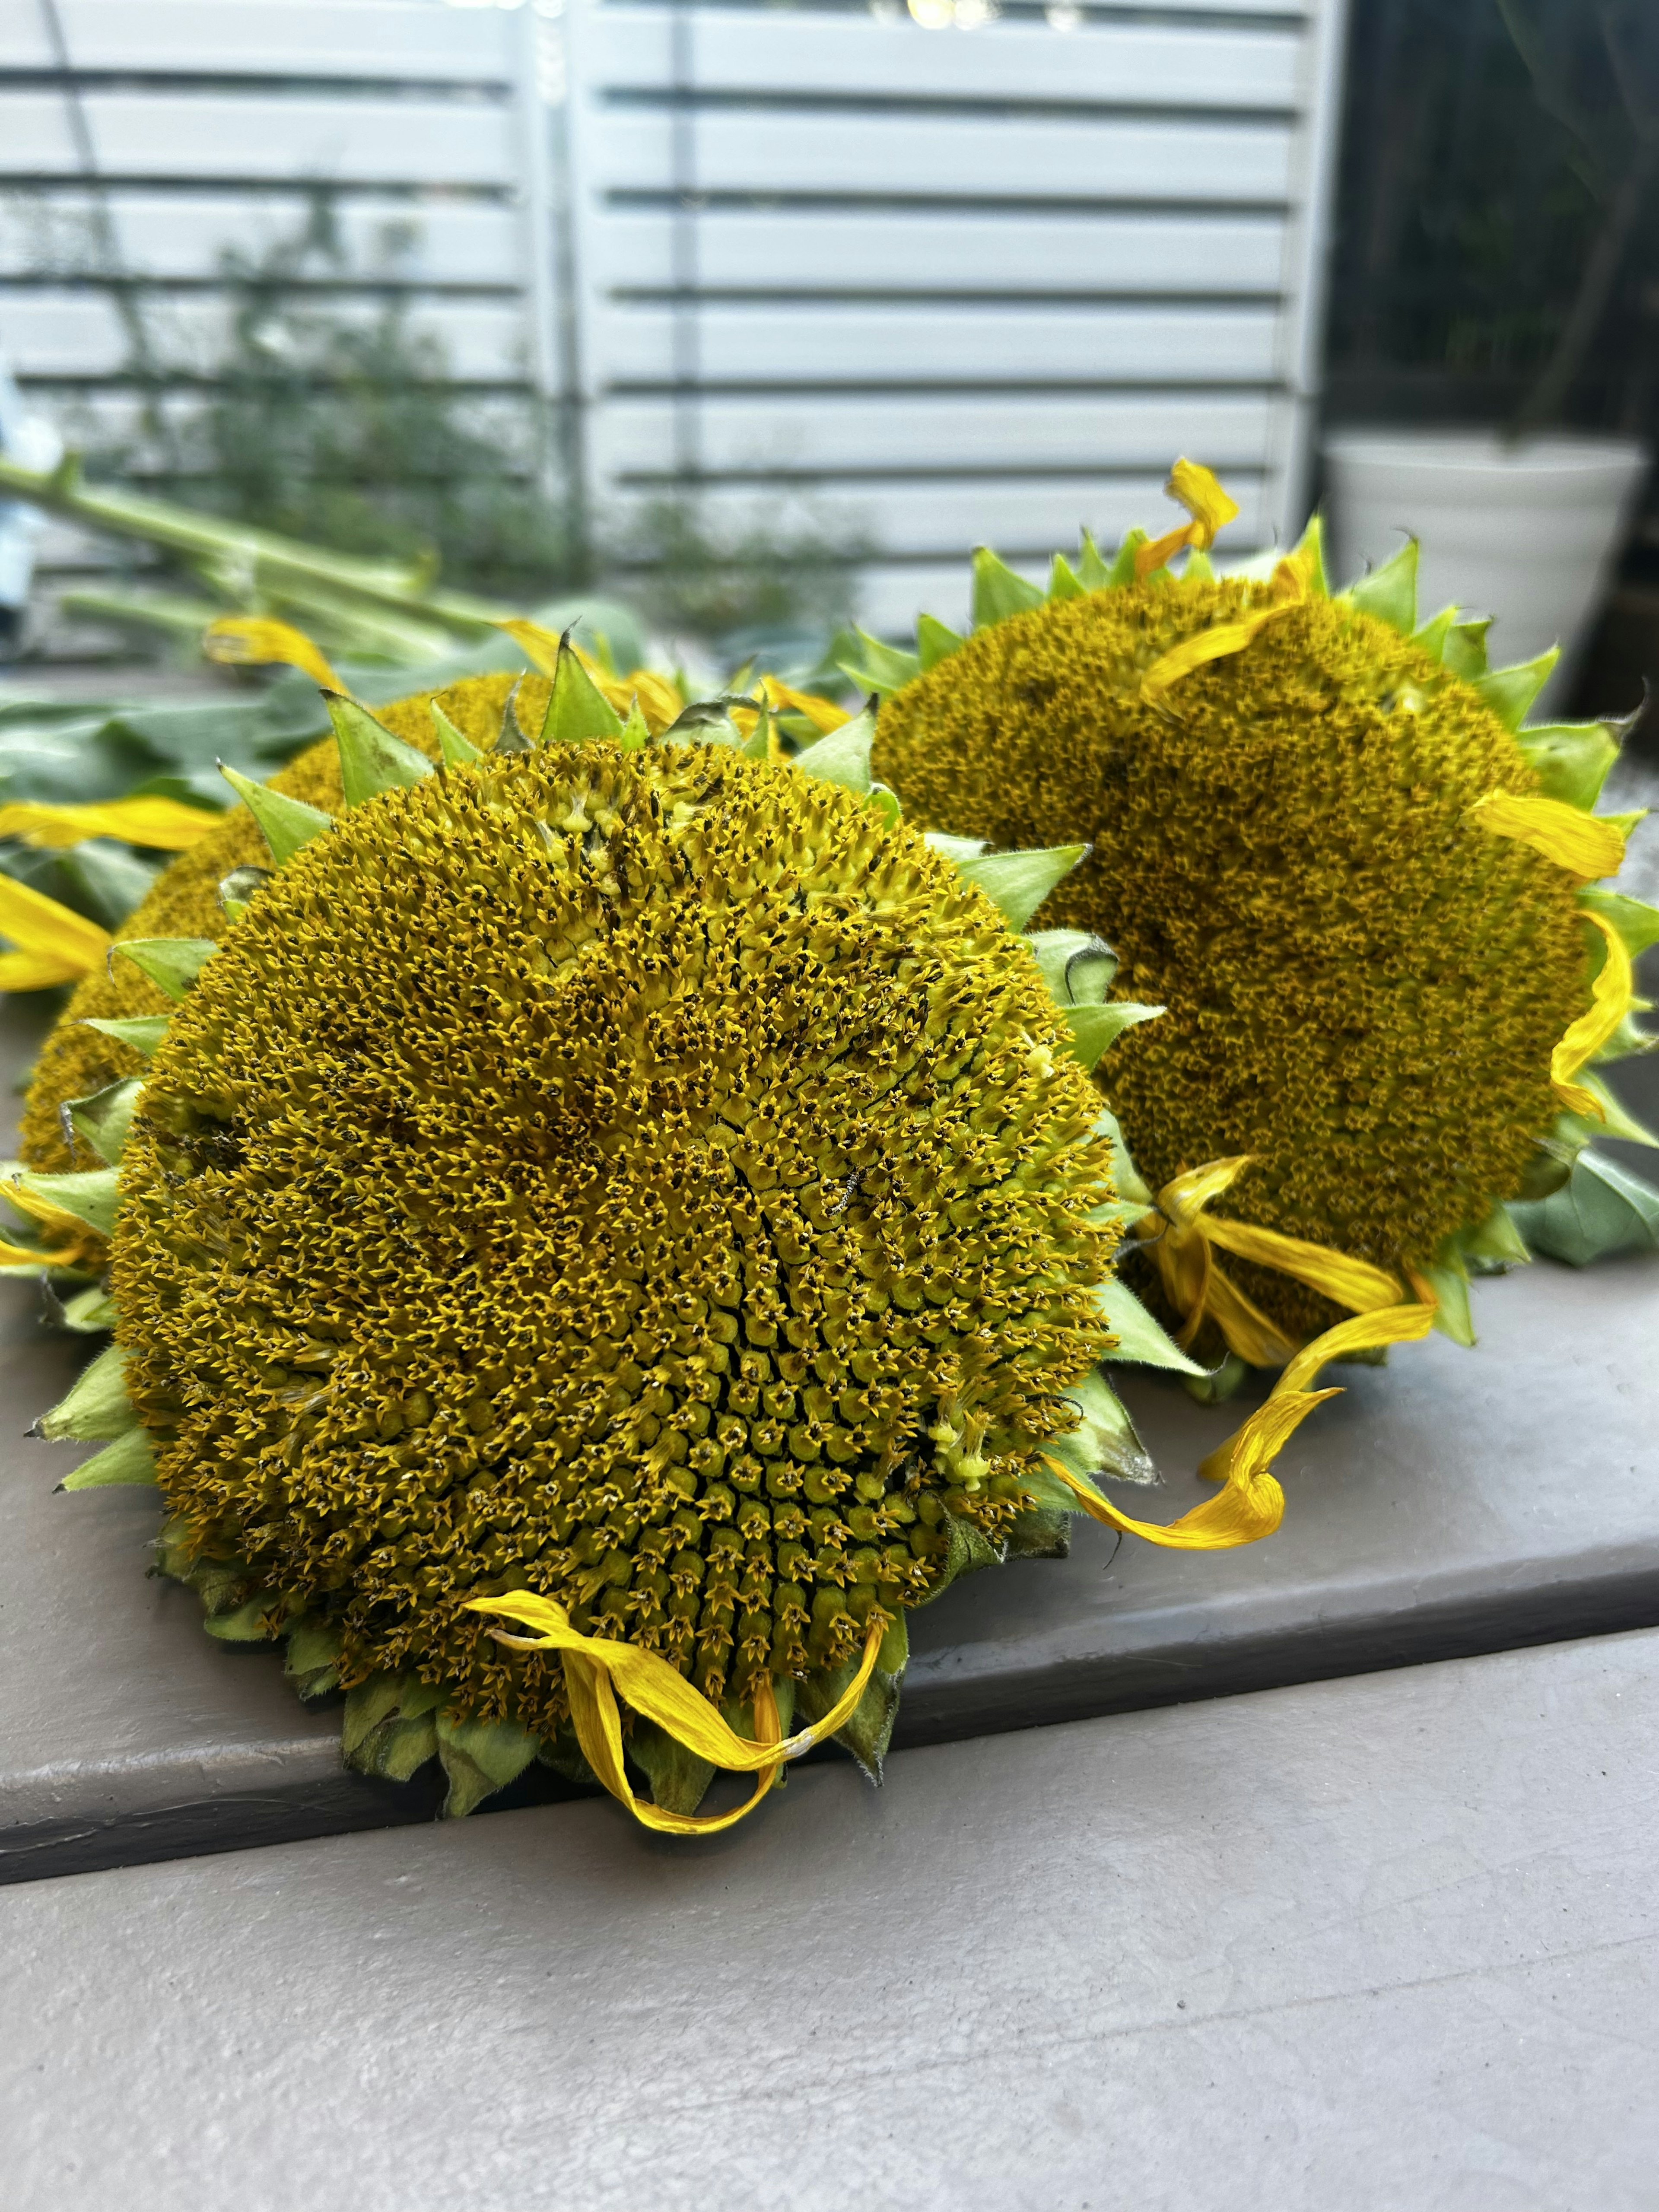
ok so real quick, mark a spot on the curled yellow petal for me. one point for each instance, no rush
(1212, 644)
(1210, 510)
(655, 1688)
(1612, 998)
(165, 825)
(257, 641)
(1347, 1282)
(1586, 845)
(54, 945)
(822, 714)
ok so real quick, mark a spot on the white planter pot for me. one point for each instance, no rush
(1526, 533)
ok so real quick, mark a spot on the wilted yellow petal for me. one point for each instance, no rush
(1244, 1328)
(598, 1725)
(1202, 495)
(823, 714)
(1347, 1282)
(166, 824)
(1612, 999)
(1585, 845)
(48, 936)
(256, 642)
(1212, 644)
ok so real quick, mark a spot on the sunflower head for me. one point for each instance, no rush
(1321, 837)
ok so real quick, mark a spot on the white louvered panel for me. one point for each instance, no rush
(184, 235)
(34, 133)
(1028, 520)
(722, 50)
(927, 343)
(47, 333)
(265, 37)
(301, 140)
(766, 150)
(970, 433)
(968, 249)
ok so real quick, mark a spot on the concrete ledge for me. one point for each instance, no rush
(1380, 1943)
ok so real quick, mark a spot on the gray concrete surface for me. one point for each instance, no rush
(1388, 1945)
(1457, 1501)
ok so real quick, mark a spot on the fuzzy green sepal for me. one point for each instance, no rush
(478, 1758)
(129, 1459)
(391, 1726)
(104, 1118)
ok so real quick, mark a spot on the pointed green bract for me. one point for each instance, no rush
(237, 889)
(1103, 1445)
(1141, 1341)
(880, 668)
(1433, 634)
(390, 1726)
(128, 1460)
(1617, 1120)
(97, 1409)
(1448, 1278)
(935, 641)
(172, 963)
(456, 749)
(1510, 691)
(1600, 1210)
(1463, 649)
(1390, 593)
(1570, 759)
(372, 760)
(1494, 1243)
(636, 732)
(758, 744)
(143, 1032)
(89, 1196)
(1017, 882)
(89, 1312)
(842, 757)
(998, 593)
(248, 1623)
(578, 712)
(1077, 966)
(1636, 922)
(886, 804)
(1093, 1027)
(1123, 570)
(1198, 568)
(285, 823)
(311, 1658)
(1062, 583)
(104, 1119)
(953, 849)
(478, 1758)
(1312, 542)
(1092, 572)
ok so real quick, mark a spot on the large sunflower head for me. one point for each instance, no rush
(644, 1187)
(1322, 837)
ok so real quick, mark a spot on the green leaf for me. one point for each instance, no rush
(97, 1408)
(998, 592)
(479, 1757)
(886, 804)
(1125, 1174)
(953, 849)
(1635, 920)
(390, 1726)
(935, 641)
(1041, 1533)
(881, 668)
(1017, 882)
(1570, 759)
(1123, 570)
(172, 963)
(90, 1197)
(578, 712)
(104, 1118)
(89, 1312)
(458, 750)
(1464, 648)
(248, 1623)
(1093, 1027)
(1616, 1120)
(128, 1460)
(679, 1779)
(372, 761)
(842, 757)
(1390, 593)
(1510, 691)
(1494, 1243)
(1312, 540)
(1062, 582)
(1077, 967)
(312, 1658)
(1431, 637)
(1448, 1278)
(1104, 1446)
(285, 823)
(143, 1032)
(634, 737)
(1601, 1209)
(1139, 1339)
(1092, 572)
(868, 1730)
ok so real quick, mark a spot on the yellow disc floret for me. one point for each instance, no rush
(1365, 985)
(650, 1180)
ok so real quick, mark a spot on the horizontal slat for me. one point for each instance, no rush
(969, 433)
(741, 50)
(809, 249)
(184, 235)
(761, 151)
(296, 38)
(926, 518)
(113, 420)
(967, 344)
(292, 140)
(49, 333)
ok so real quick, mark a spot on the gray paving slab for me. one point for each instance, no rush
(1389, 1944)
(1459, 1502)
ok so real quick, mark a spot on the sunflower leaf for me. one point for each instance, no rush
(1138, 1340)
(1600, 1209)
(1093, 1027)
(172, 963)
(89, 1196)
(1510, 691)
(479, 1757)
(143, 1032)
(1000, 592)
(842, 757)
(1390, 593)
(936, 641)
(104, 1118)
(880, 668)
(1463, 650)
(372, 761)
(1017, 883)
(285, 823)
